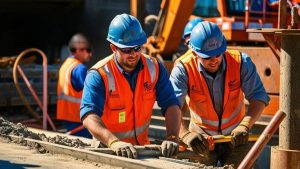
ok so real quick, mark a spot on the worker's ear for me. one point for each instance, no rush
(113, 48)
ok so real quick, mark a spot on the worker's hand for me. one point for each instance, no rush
(170, 147)
(196, 141)
(240, 135)
(123, 149)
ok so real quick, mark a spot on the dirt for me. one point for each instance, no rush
(9, 128)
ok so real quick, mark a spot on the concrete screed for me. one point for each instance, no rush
(13, 156)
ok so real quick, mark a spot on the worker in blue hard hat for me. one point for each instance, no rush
(216, 80)
(188, 29)
(120, 91)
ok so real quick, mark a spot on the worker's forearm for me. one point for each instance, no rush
(173, 120)
(95, 125)
(255, 109)
(183, 128)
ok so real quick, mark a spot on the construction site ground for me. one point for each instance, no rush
(15, 156)
(37, 148)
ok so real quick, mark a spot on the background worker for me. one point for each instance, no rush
(188, 29)
(120, 91)
(216, 81)
(72, 74)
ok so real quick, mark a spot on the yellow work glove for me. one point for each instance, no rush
(123, 149)
(196, 141)
(240, 134)
(170, 146)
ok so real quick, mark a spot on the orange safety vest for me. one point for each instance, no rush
(188, 52)
(201, 106)
(127, 114)
(68, 99)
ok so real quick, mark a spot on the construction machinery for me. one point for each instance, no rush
(233, 18)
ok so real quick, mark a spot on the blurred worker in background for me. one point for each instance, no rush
(188, 29)
(186, 35)
(216, 81)
(70, 85)
(120, 91)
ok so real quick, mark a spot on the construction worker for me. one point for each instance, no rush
(188, 29)
(72, 74)
(120, 91)
(216, 81)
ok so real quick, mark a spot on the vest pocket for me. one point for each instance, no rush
(116, 104)
(116, 118)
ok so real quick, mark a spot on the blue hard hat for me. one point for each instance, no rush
(207, 40)
(189, 26)
(125, 31)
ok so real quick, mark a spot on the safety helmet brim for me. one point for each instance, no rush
(138, 42)
(212, 53)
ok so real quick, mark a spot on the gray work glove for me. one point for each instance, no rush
(196, 141)
(240, 135)
(123, 149)
(169, 147)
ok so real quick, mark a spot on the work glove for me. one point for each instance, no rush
(123, 149)
(169, 147)
(240, 135)
(196, 141)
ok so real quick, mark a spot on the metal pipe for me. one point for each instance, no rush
(294, 17)
(264, 11)
(247, 6)
(262, 141)
(45, 90)
(45, 84)
(282, 14)
(36, 98)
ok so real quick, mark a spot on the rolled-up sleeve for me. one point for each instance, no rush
(252, 85)
(165, 95)
(179, 80)
(93, 96)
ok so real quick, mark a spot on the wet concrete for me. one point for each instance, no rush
(9, 128)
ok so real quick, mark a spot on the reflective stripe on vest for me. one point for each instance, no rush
(152, 69)
(127, 113)
(69, 98)
(63, 94)
(111, 79)
(224, 120)
(201, 105)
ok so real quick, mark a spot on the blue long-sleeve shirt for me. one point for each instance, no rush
(93, 97)
(78, 76)
(251, 83)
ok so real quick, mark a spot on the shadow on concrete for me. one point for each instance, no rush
(8, 165)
